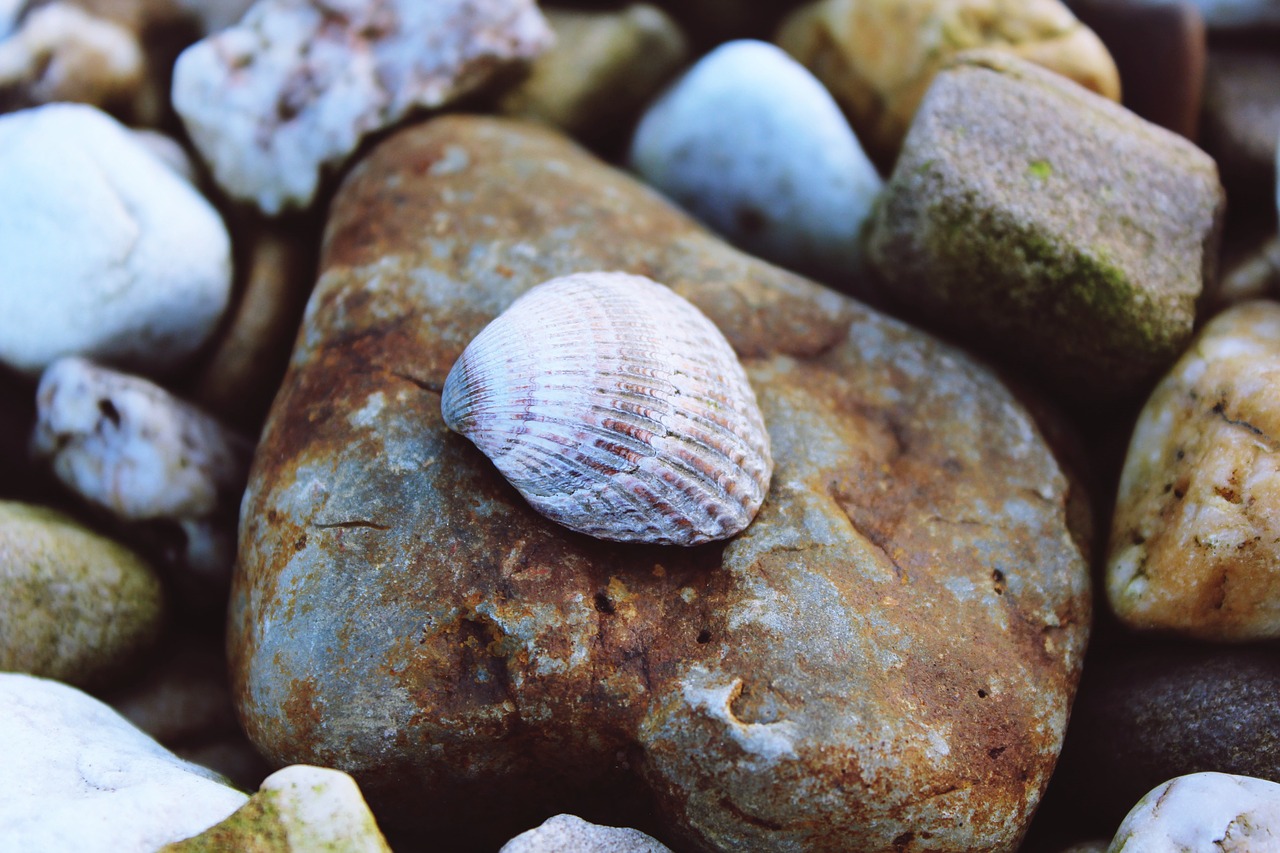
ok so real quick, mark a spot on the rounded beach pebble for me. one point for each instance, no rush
(73, 605)
(790, 184)
(108, 253)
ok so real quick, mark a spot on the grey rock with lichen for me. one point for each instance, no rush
(292, 89)
(1048, 226)
(400, 612)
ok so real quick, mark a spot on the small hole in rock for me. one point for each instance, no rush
(982, 694)
(603, 604)
(109, 411)
(704, 636)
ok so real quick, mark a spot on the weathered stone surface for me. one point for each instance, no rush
(1196, 535)
(1160, 51)
(1241, 121)
(789, 182)
(1149, 714)
(1204, 811)
(73, 605)
(879, 57)
(76, 776)
(604, 68)
(885, 656)
(1048, 226)
(292, 89)
(565, 832)
(299, 809)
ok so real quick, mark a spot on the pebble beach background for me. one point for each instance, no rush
(1003, 276)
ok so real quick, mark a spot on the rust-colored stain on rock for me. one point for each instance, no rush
(884, 660)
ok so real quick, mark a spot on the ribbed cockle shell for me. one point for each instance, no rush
(617, 409)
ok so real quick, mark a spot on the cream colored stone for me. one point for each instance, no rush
(60, 52)
(878, 57)
(300, 809)
(1195, 544)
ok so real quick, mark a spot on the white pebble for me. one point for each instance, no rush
(107, 252)
(1203, 811)
(753, 145)
(129, 446)
(565, 832)
(296, 85)
(78, 776)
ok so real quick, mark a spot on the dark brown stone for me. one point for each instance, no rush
(1149, 713)
(1159, 49)
(1241, 124)
(883, 660)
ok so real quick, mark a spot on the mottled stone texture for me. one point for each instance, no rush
(1195, 543)
(1048, 226)
(885, 658)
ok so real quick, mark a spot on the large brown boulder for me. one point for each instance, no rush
(883, 660)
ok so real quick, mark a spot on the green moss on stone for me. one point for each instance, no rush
(1039, 169)
(256, 827)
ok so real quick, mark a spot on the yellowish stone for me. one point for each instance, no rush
(1195, 545)
(878, 57)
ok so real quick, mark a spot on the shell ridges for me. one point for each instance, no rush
(617, 409)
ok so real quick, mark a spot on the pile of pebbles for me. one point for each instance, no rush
(1003, 278)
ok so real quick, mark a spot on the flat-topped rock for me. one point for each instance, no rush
(1048, 227)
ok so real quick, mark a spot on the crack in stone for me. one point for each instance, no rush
(1221, 411)
(353, 524)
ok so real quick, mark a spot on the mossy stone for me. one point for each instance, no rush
(74, 605)
(1047, 226)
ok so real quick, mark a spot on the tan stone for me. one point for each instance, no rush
(1195, 545)
(878, 57)
(604, 68)
(62, 53)
(883, 660)
(244, 369)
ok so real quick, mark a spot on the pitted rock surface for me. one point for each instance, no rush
(885, 658)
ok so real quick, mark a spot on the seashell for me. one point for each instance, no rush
(616, 408)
